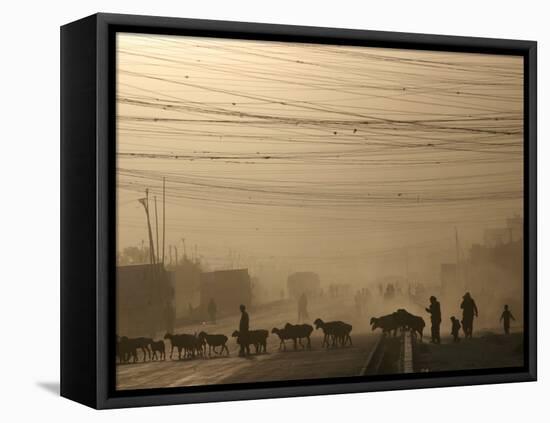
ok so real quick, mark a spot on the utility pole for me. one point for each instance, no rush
(145, 203)
(176, 248)
(157, 229)
(170, 253)
(163, 216)
(184, 249)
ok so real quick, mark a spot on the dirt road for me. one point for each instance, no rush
(274, 365)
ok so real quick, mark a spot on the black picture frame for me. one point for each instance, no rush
(88, 209)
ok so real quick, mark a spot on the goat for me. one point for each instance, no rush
(300, 332)
(258, 338)
(406, 320)
(158, 346)
(125, 350)
(185, 342)
(337, 331)
(284, 335)
(387, 323)
(214, 341)
(197, 346)
(140, 343)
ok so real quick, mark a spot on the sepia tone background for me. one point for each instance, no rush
(369, 167)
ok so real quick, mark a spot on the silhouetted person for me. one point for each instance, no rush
(358, 305)
(243, 332)
(469, 310)
(390, 292)
(455, 328)
(212, 310)
(302, 308)
(435, 312)
(169, 317)
(505, 318)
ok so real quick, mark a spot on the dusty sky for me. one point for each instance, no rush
(350, 161)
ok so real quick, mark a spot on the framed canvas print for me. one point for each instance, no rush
(256, 211)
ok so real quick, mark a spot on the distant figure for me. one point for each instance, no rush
(469, 310)
(435, 311)
(169, 317)
(212, 310)
(390, 292)
(505, 318)
(302, 308)
(455, 328)
(243, 332)
(358, 305)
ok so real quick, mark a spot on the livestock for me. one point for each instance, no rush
(198, 346)
(407, 320)
(417, 325)
(142, 344)
(258, 338)
(401, 319)
(214, 341)
(190, 344)
(284, 335)
(388, 323)
(300, 332)
(158, 346)
(125, 350)
(336, 331)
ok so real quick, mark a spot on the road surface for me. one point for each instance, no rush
(487, 349)
(272, 366)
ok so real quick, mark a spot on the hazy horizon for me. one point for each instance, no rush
(353, 162)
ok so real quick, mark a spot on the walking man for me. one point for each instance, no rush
(469, 310)
(435, 312)
(243, 333)
(212, 310)
(302, 308)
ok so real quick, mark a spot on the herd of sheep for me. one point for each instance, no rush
(399, 320)
(336, 334)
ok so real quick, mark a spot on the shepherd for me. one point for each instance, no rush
(243, 332)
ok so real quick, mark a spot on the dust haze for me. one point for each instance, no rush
(390, 175)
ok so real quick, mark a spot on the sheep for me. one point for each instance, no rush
(258, 338)
(406, 320)
(140, 343)
(417, 325)
(284, 335)
(214, 341)
(185, 342)
(387, 323)
(343, 331)
(197, 346)
(158, 346)
(300, 332)
(125, 350)
(335, 331)
(401, 319)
